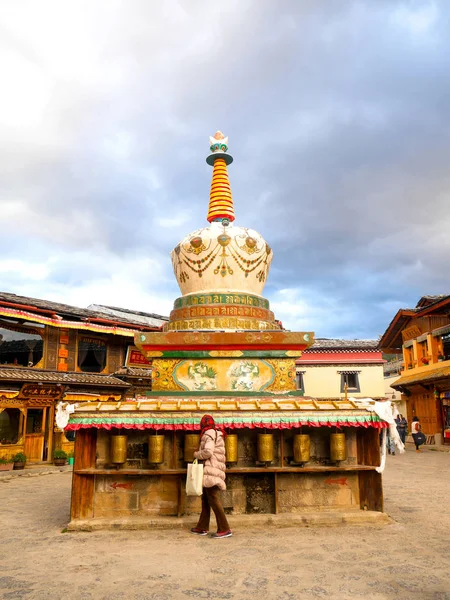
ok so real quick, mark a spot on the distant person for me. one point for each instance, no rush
(390, 443)
(416, 431)
(402, 426)
(212, 451)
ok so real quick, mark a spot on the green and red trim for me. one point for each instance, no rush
(193, 423)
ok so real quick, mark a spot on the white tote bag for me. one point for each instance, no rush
(194, 479)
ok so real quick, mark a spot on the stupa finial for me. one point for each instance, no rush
(220, 198)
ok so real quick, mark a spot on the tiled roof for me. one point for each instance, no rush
(337, 344)
(66, 311)
(134, 372)
(143, 318)
(426, 301)
(39, 375)
(392, 367)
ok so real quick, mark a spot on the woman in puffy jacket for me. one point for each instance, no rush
(212, 451)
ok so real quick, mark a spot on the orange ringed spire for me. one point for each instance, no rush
(220, 198)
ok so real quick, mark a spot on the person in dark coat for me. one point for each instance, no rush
(402, 426)
(416, 431)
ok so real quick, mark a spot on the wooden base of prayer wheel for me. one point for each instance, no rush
(156, 449)
(231, 448)
(338, 447)
(118, 449)
(265, 447)
(191, 445)
(302, 448)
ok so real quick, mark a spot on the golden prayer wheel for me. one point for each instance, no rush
(265, 447)
(156, 449)
(119, 449)
(191, 445)
(231, 448)
(302, 448)
(338, 447)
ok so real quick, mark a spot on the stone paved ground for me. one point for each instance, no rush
(408, 559)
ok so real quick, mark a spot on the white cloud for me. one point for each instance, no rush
(418, 17)
(19, 269)
(337, 121)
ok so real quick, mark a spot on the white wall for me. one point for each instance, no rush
(325, 382)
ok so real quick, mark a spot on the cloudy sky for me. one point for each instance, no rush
(337, 114)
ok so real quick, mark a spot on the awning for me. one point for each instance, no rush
(425, 376)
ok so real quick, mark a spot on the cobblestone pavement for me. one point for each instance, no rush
(407, 559)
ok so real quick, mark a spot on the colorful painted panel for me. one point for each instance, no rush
(224, 374)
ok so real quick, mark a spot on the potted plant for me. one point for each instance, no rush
(19, 460)
(410, 366)
(6, 463)
(70, 458)
(424, 360)
(59, 458)
(441, 357)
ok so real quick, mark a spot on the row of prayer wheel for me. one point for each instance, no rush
(302, 447)
(266, 448)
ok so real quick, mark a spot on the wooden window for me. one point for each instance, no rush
(422, 353)
(350, 378)
(10, 426)
(34, 420)
(446, 346)
(91, 355)
(300, 381)
(409, 357)
(19, 345)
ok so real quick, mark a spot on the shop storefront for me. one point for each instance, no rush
(26, 421)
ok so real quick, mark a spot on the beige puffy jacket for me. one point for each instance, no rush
(212, 451)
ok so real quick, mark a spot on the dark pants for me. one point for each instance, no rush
(211, 499)
(402, 434)
(415, 440)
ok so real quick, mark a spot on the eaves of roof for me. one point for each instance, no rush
(391, 338)
(26, 375)
(428, 375)
(58, 310)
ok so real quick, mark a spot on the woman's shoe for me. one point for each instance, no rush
(197, 531)
(222, 534)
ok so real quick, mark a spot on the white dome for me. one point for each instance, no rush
(222, 259)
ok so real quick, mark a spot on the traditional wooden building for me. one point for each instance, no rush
(223, 352)
(52, 352)
(422, 335)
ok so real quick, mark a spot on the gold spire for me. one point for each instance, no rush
(220, 198)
